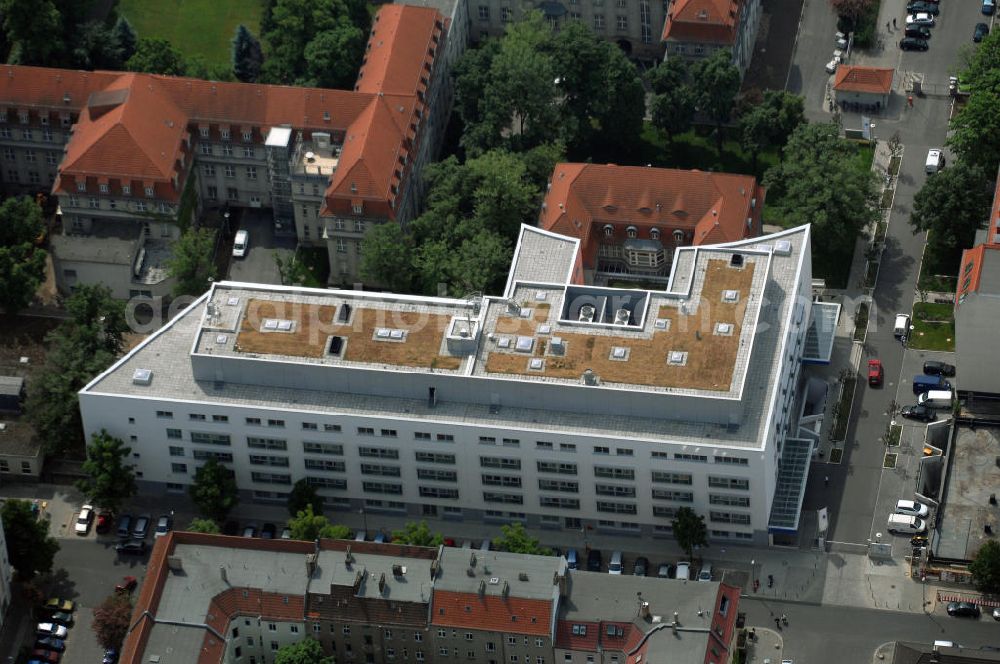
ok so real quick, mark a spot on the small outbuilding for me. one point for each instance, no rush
(868, 86)
(11, 394)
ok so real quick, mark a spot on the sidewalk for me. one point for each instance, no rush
(767, 648)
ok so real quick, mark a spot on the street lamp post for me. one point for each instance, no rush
(753, 574)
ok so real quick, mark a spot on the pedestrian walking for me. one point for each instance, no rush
(894, 23)
(777, 623)
(826, 480)
(887, 26)
(784, 619)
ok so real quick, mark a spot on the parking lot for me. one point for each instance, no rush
(258, 265)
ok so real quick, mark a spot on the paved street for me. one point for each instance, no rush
(258, 265)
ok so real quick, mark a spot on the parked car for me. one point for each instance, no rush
(286, 533)
(51, 629)
(617, 563)
(62, 617)
(875, 372)
(103, 523)
(163, 526)
(996, 613)
(594, 561)
(60, 604)
(923, 18)
(831, 66)
(913, 44)
(901, 327)
(381, 537)
(665, 571)
(706, 572)
(45, 655)
(988, 7)
(641, 566)
(133, 548)
(250, 530)
(141, 528)
(918, 31)
(980, 32)
(918, 412)
(126, 585)
(683, 571)
(50, 643)
(963, 610)
(916, 6)
(124, 526)
(83, 520)
(241, 244)
(268, 530)
(935, 368)
(912, 508)
(572, 559)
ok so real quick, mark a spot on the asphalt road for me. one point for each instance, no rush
(846, 634)
(258, 265)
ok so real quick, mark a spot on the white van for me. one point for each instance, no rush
(615, 566)
(935, 160)
(905, 525)
(901, 329)
(936, 399)
(241, 243)
(359, 536)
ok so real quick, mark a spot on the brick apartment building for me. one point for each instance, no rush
(133, 158)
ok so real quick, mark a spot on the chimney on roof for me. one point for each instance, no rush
(644, 610)
(482, 587)
(381, 583)
(222, 573)
(472, 559)
(506, 589)
(310, 565)
(560, 581)
(358, 578)
(348, 558)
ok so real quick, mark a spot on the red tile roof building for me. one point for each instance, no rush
(630, 219)
(863, 85)
(209, 599)
(119, 149)
(694, 29)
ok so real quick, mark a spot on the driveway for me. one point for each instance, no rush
(258, 266)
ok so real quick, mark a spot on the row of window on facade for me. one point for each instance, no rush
(95, 203)
(24, 117)
(34, 177)
(226, 150)
(26, 468)
(26, 134)
(105, 188)
(225, 133)
(632, 232)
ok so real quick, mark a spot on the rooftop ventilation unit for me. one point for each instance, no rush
(622, 316)
(677, 358)
(783, 248)
(310, 157)
(142, 377)
(525, 344)
(541, 295)
(221, 338)
(557, 346)
(321, 138)
(590, 378)
(724, 329)
(344, 313)
(736, 260)
(730, 296)
(619, 353)
(662, 324)
(503, 342)
(525, 313)
(587, 312)
(544, 329)
(335, 346)
(494, 580)
(536, 364)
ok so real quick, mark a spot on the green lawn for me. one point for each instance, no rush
(695, 149)
(194, 27)
(933, 327)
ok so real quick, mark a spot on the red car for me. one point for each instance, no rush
(875, 373)
(127, 585)
(103, 523)
(43, 655)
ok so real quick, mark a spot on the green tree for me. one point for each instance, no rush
(674, 98)
(192, 262)
(303, 494)
(214, 490)
(788, 113)
(109, 480)
(112, 620)
(515, 539)
(756, 131)
(197, 66)
(307, 525)
(331, 57)
(689, 530)
(94, 47)
(307, 651)
(156, 56)
(986, 568)
(22, 265)
(294, 25)
(417, 533)
(819, 182)
(247, 55)
(30, 548)
(951, 206)
(387, 258)
(78, 350)
(206, 526)
(719, 81)
(34, 29)
(471, 74)
(125, 39)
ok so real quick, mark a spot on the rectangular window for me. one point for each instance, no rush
(205, 148)
(378, 469)
(566, 486)
(197, 417)
(677, 496)
(174, 434)
(622, 22)
(435, 475)
(729, 517)
(310, 426)
(438, 492)
(499, 462)
(178, 468)
(558, 502)
(165, 414)
(366, 431)
(251, 170)
(378, 452)
(543, 445)
(421, 435)
(487, 440)
(701, 458)
(209, 170)
(271, 478)
(663, 477)
(268, 460)
(728, 483)
(126, 190)
(149, 192)
(501, 480)
(556, 467)
(435, 457)
(598, 22)
(210, 438)
(383, 487)
(232, 193)
(331, 428)
(507, 498)
(614, 472)
(276, 423)
(616, 508)
(614, 490)
(623, 451)
(326, 483)
(484, 12)
(253, 421)
(602, 450)
(387, 433)
(322, 448)
(733, 461)
(665, 512)
(176, 451)
(259, 443)
(730, 501)
(213, 192)
(567, 447)
(220, 418)
(205, 455)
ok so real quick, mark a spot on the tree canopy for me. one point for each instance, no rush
(110, 481)
(306, 651)
(156, 56)
(247, 56)
(819, 182)
(112, 619)
(771, 122)
(689, 530)
(515, 539)
(951, 205)
(986, 567)
(30, 548)
(22, 265)
(303, 494)
(674, 97)
(309, 526)
(192, 262)
(204, 526)
(214, 490)
(975, 135)
(417, 533)
(718, 79)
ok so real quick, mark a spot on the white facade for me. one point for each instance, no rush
(468, 442)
